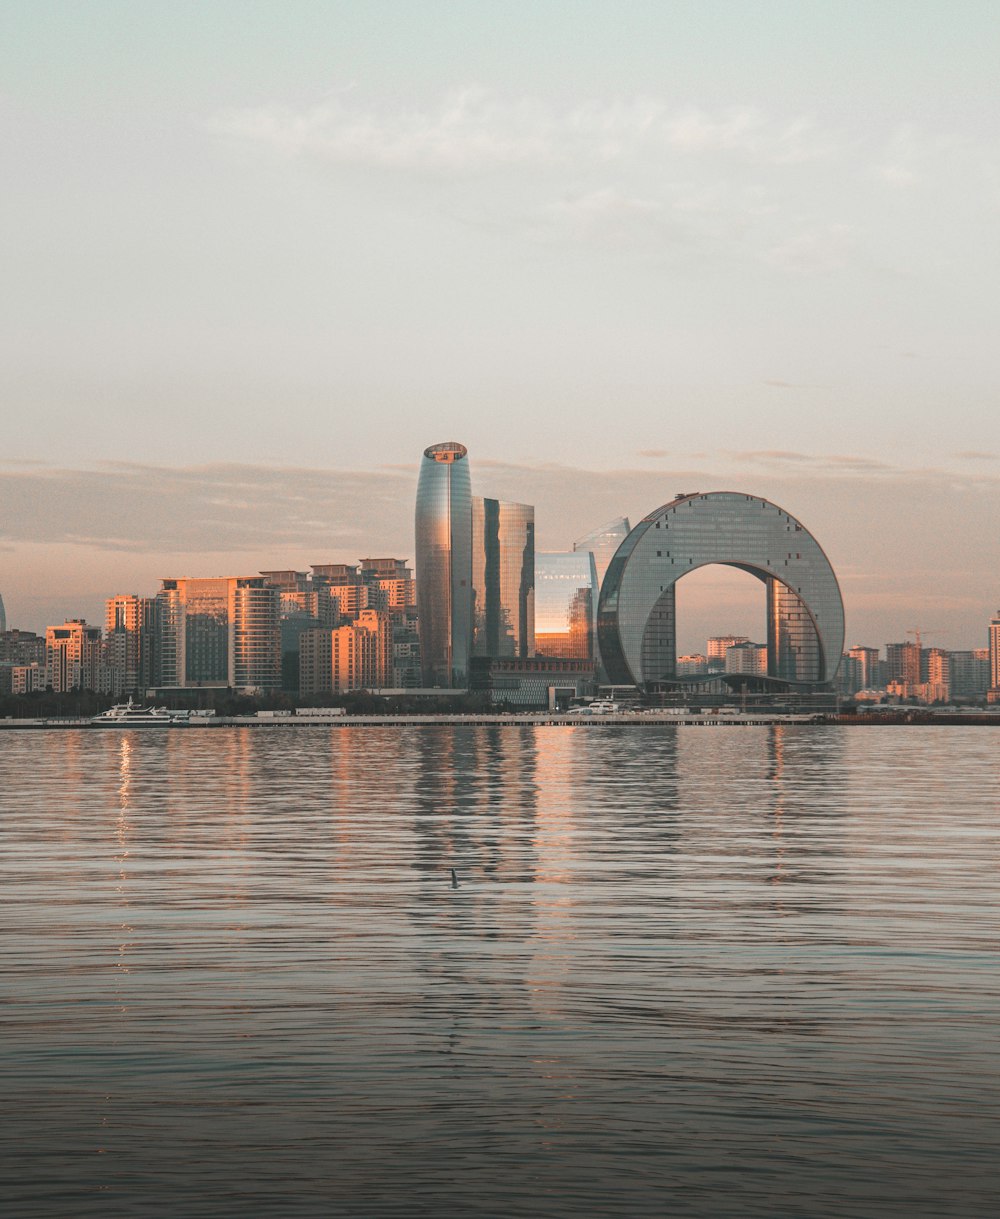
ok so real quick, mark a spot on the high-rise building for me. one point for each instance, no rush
(970, 673)
(220, 631)
(903, 663)
(443, 535)
(390, 584)
(254, 634)
(565, 592)
(869, 667)
(503, 578)
(3, 617)
(130, 638)
(73, 657)
(995, 652)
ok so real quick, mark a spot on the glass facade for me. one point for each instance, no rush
(565, 595)
(443, 550)
(255, 634)
(206, 632)
(503, 578)
(603, 542)
(220, 631)
(636, 615)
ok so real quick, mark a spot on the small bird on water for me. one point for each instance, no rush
(454, 879)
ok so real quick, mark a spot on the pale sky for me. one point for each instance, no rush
(257, 256)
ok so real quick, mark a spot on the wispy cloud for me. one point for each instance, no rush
(475, 129)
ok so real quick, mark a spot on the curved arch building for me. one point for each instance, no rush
(636, 611)
(443, 560)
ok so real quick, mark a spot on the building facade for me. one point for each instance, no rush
(74, 657)
(717, 646)
(869, 667)
(994, 637)
(443, 549)
(565, 596)
(532, 682)
(130, 643)
(356, 656)
(503, 578)
(903, 664)
(747, 658)
(637, 610)
(602, 543)
(219, 632)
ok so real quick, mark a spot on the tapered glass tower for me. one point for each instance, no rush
(443, 550)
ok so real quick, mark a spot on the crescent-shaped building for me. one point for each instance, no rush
(636, 617)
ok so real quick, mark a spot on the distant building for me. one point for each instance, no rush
(938, 682)
(969, 673)
(503, 578)
(22, 648)
(869, 667)
(220, 632)
(692, 666)
(902, 664)
(3, 617)
(995, 657)
(565, 597)
(746, 658)
(715, 648)
(74, 656)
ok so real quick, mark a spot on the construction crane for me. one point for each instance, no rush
(919, 634)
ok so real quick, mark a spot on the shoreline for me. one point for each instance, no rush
(531, 719)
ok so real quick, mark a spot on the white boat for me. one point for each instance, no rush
(131, 715)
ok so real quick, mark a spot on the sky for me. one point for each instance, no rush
(257, 256)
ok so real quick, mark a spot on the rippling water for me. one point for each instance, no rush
(688, 971)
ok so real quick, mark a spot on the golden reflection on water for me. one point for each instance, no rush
(773, 949)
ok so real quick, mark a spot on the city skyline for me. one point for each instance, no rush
(256, 252)
(931, 563)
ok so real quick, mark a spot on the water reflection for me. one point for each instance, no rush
(239, 972)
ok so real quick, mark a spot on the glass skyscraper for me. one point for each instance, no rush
(565, 596)
(503, 578)
(443, 551)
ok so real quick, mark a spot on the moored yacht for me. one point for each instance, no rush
(131, 715)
